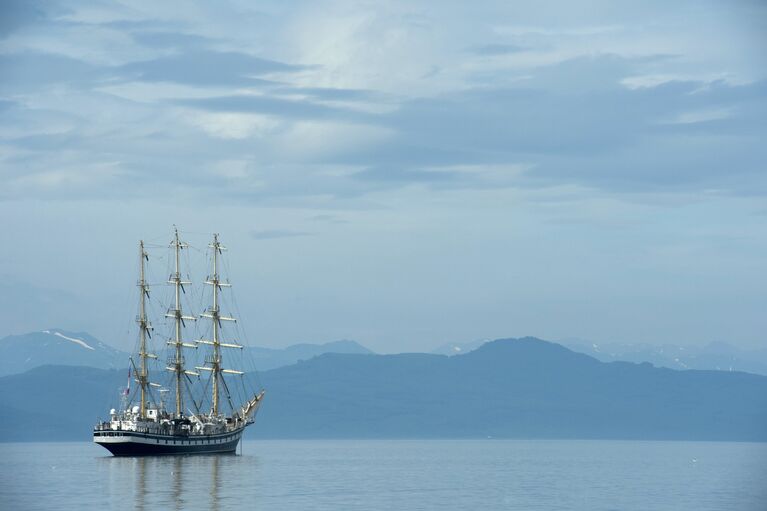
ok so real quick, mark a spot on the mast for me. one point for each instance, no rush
(214, 314)
(216, 362)
(144, 328)
(177, 364)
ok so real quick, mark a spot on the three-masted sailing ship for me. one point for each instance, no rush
(143, 425)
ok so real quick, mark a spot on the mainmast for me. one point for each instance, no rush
(177, 364)
(214, 313)
(144, 328)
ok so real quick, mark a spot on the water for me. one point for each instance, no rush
(394, 475)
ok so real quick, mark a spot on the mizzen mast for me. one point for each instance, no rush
(214, 314)
(177, 363)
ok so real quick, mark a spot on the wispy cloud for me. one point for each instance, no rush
(273, 234)
(493, 50)
(205, 68)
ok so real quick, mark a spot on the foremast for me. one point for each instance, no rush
(176, 365)
(214, 314)
(145, 328)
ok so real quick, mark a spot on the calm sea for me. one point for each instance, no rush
(394, 475)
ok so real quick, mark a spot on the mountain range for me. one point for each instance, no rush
(717, 356)
(272, 358)
(20, 353)
(511, 388)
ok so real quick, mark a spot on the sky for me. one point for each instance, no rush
(401, 173)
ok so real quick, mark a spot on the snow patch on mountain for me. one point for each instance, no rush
(78, 341)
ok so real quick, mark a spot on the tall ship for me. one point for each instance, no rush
(210, 403)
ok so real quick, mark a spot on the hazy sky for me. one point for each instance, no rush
(404, 174)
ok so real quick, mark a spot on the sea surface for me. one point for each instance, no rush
(394, 475)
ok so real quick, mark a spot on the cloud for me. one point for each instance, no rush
(609, 136)
(332, 94)
(330, 219)
(30, 71)
(169, 40)
(270, 105)
(272, 234)
(206, 67)
(19, 13)
(494, 50)
(605, 136)
(561, 121)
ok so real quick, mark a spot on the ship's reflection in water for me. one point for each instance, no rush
(179, 482)
(385, 475)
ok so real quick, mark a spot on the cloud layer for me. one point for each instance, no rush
(549, 113)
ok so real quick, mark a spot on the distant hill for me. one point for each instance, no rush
(451, 349)
(520, 388)
(19, 353)
(719, 356)
(264, 359)
(715, 356)
(511, 388)
(271, 358)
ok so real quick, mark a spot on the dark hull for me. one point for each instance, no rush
(129, 443)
